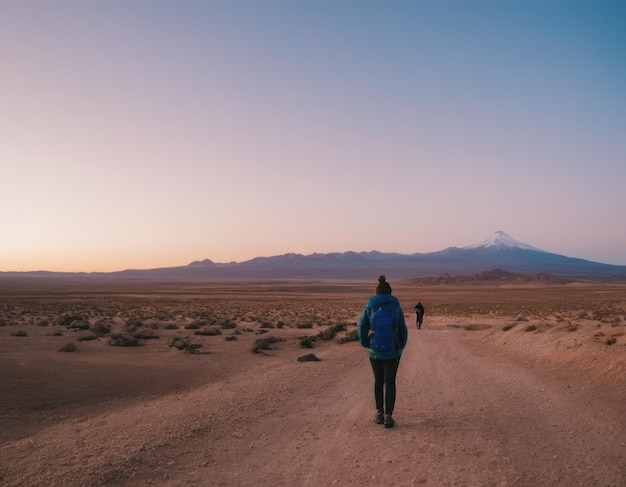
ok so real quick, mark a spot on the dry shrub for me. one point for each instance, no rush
(304, 325)
(20, 333)
(123, 340)
(476, 327)
(351, 336)
(67, 320)
(309, 357)
(101, 328)
(265, 343)
(611, 340)
(146, 334)
(228, 325)
(330, 332)
(306, 343)
(179, 342)
(193, 348)
(230, 338)
(68, 347)
(80, 325)
(87, 337)
(210, 332)
(133, 322)
(544, 327)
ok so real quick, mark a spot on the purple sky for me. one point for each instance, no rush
(139, 134)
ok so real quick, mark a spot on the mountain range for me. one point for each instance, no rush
(499, 252)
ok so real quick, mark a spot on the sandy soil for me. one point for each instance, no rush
(539, 404)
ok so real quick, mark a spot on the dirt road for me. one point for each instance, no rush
(466, 415)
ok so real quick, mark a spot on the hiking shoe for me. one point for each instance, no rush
(388, 421)
(379, 419)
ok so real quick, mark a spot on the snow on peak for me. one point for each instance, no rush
(501, 241)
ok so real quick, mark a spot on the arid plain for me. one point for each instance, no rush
(200, 384)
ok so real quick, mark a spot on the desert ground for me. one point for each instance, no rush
(200, 385)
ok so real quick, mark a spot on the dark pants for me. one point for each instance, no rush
(385, 383)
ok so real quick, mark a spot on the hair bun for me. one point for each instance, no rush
(383, 286)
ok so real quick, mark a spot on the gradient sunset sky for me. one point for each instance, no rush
(141, 134)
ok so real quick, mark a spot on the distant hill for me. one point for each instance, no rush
(497, 276)
(498, 252)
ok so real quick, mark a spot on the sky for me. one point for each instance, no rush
(152, 133)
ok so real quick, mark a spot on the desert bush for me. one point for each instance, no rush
(309, 357)
(42, 323)
(228, 325)
(330, 332)
(280, 324)
(123, 340)
(79, 325)
(611, 340)
(171, 326)
(265, 343)
(179, 342)
(211, 331)
(19, 333)
(145, 334)
(306, 343)
(530, 328)
(193, 326)
(266, 324)
(230, 338)
(133, 321)
(87, 337)
(476, 327)
(193, 348)
(304, 325)
(351, 336)
(68, 347)
(67, 320)
(101, 328)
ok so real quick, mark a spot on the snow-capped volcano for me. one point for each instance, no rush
(502, 241)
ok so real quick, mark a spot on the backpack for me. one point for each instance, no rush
(385, 337)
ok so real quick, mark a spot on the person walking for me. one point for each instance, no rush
(419, 315)
(383, 331)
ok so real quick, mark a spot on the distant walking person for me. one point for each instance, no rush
(383, 331)
(419, 315)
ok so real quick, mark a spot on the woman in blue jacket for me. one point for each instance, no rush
(383, 331)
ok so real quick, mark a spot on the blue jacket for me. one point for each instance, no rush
(365, 325)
